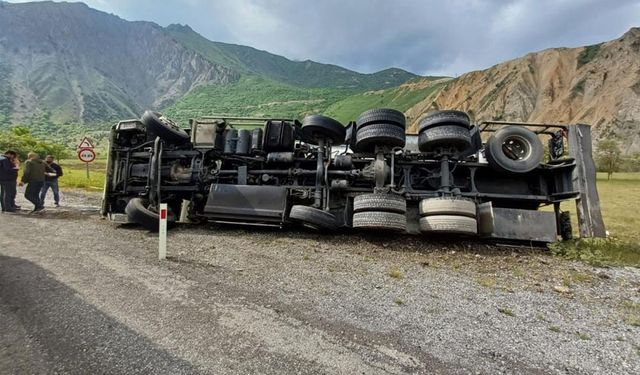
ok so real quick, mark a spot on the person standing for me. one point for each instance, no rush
(51, 181)
(8, 178)
(33, 176)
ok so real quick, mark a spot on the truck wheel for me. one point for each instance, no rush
(316, 127)
(380, 220)
(164, 128)
(138, 211)
(374, 135)
(447, 206)
(448, 224)
(514, 149)
(380, 202)
(566, 232)
(444, 136)
(448, 117)
(313, 218)
(381, 116)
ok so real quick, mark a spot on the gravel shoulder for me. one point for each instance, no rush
(78, 293)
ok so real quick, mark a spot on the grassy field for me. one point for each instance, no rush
(75, 174)
(620, 206)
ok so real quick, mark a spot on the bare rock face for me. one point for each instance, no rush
(91, 66)
(597, 85)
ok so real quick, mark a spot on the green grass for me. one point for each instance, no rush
(395, 272)
(620, 206)
(75, 175)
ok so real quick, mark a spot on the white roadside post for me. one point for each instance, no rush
(162, 232)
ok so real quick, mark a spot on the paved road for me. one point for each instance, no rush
(80, 295)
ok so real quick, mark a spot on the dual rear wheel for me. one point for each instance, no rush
(380, 211)
(448, 215)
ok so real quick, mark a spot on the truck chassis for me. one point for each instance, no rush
(456, 178)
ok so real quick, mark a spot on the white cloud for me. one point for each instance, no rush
(427, 37)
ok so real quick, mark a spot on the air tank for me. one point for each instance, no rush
(230, 141)
(244, 142)
(256, 139)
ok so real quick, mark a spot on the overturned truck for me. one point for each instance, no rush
(488, 180)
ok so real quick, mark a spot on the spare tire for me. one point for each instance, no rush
(374, 135)
(164, 128)
(313, 218)
(450, 117)
(138, 211)
(514, 149)
(316, 127)
(444, 136)
(381, 116)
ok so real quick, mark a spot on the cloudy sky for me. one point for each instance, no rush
(447, 37)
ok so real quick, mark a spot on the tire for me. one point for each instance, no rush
(380, 220)
(138, 212)
(313, 218)
(444, 136)
(374, 135)
(523, 146)
(381, 116)
(447, 206)
(449, 224)
(316, 127)
(380, 202)
(450, 117)
(566, 232)
(164, 128)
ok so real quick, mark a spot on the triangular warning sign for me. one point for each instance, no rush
(86, 143)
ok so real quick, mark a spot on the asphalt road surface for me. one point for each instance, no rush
(80, 295)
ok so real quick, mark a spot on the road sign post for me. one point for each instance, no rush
(162, 232)
(86, 153)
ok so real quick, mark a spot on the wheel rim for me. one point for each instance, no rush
(516, 147)
(168, 123)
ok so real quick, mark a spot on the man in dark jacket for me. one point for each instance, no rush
(8, 178)
(51, 181)
(33, 176)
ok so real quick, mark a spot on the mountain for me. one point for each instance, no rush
(307, 73)
(87, 66)
(597, 85)
(68, 63)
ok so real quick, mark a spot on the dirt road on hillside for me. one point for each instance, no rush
(81, 295)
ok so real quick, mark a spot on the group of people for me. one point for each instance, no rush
(38, 176)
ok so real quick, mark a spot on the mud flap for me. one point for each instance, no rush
(516, 224)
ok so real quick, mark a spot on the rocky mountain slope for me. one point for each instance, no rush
(73, 64)
(597, 85)
(87, 66)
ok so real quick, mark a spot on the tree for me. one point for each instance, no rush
(20, 139)
(608, 156)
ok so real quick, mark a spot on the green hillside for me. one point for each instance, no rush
(68, 70)
(300, 73)
(400, 98)
(255, 96)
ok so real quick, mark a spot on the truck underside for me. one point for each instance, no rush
(454, 177)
